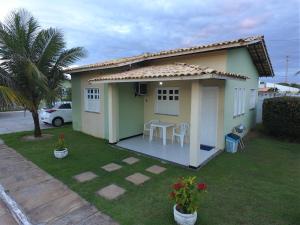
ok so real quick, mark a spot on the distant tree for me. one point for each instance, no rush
(32, 61)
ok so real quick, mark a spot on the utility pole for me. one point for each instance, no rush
(286, 68)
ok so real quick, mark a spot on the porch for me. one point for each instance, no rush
(177, 93)
(171, 152)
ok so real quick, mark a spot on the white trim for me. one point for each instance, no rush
(197, 77)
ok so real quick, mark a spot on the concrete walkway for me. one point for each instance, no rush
(42, 198)
(5, 216)
(15, 121)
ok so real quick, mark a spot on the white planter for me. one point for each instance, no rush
(184, 219)
(59, 154)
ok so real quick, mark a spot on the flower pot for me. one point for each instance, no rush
(59, 154)
(184, 219)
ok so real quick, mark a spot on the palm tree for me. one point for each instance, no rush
(32, 61)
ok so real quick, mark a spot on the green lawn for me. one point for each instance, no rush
(259, 186)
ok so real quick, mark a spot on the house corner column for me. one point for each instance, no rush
(113, 113)
(195, 123)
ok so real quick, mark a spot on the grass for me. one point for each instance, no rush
(258, 186)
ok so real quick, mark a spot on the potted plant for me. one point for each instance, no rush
(185, 193)
(60, 149)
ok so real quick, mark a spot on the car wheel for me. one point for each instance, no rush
(57, 122)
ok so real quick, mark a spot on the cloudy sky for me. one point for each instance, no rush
(118, 28)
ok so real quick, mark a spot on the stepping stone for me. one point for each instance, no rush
(111, 167)
(156, 169)
(86, 176)
(137, 178)
(130, 160)
(111, 192)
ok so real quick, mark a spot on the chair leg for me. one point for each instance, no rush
(181, 141)
(172, 139)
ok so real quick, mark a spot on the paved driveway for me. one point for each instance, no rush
(17, 121)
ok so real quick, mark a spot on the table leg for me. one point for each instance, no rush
(164, 136)
(151, 134)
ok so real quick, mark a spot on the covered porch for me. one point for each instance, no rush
(171, 152)
(177, 93)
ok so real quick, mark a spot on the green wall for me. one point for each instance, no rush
(76, 102)
(131, 111)
(239, 61)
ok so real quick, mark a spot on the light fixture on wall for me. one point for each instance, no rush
(161, 83)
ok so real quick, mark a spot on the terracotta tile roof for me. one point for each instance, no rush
(175, 70)
(256, 46)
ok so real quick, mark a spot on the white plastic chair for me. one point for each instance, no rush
(180, 131)
(147, 126)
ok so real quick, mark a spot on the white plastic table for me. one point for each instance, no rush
(163, 126)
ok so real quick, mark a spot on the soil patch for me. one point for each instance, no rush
(33, 138)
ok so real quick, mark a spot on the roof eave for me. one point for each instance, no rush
(174, 78)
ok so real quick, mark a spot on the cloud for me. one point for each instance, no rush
(249, 23)
(112, 29)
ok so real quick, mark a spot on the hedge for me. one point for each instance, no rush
(281, 116)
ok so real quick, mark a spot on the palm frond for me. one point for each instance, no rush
(47, 47)
(69, 56)
(12, 97)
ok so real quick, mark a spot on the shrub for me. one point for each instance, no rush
(281, 116)
(185, 194)
(60, 144)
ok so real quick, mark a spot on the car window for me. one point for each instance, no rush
(65, 106)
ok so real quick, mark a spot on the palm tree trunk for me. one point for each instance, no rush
(37, 128)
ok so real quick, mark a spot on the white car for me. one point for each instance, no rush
(58, 115)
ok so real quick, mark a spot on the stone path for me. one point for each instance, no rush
(111, 167)
(41, 197)
(111, 192)
(86, 176)
(137, 178)
(156, 169)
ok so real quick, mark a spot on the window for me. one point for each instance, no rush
(65, 106)
(92, 100)
(239, 101)
(252, 100)
(167, 101)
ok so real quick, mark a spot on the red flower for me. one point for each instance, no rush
(62, 136)
(177, 186)
(172, 194)
(201, 186)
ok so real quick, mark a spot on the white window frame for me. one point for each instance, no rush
(167, 101)
(92, 100)
(239, 99)
(252, 99)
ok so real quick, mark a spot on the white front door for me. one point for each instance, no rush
(209, 116)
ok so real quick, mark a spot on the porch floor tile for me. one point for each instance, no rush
(130, 160)
(137, 178)
(111, 192)
(111, 167)
(156, 169)
(86, 176)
